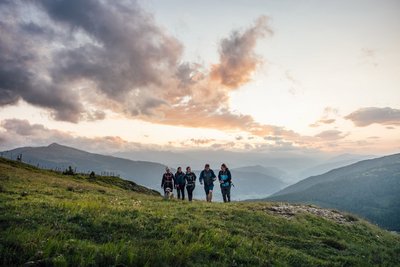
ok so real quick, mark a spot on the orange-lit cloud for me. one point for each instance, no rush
(237, 58)
(118, 59)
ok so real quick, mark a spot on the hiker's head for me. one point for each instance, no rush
(223, 167)
(167, 169)
(179, 169)
(207, 166)
(188, 169)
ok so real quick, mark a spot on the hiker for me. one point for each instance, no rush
(167, 182)
(225, 180)
(208, 176)
(180, 183)
(190, 178)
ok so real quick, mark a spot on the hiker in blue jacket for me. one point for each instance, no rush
(180, 183)
(225, 180)
(208, 176)
(167, 182)
(190, 178)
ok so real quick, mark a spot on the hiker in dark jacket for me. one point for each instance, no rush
(167, 182)
(190, 179)
(208, 176)
(225, 180)
(180, 183)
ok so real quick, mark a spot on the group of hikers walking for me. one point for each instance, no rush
(207, 178)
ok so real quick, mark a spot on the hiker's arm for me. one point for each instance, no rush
(229, 175)
(201, 176)
(162, 181)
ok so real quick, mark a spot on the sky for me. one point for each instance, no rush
(259, 76)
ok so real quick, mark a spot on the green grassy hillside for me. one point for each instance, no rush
(369, 188)
(52, 219)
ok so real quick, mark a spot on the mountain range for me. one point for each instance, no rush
(59, 157)
(369, 188)
(250, 181)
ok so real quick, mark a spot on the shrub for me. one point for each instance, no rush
(69, 171)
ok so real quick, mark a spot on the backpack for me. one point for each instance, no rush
(190, 178)
(168, 178)
(224, 178)
(180, 178)
(208, 177)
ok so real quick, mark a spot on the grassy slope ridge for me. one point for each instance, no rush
(370, 188)
(58, 156)
(50, 219)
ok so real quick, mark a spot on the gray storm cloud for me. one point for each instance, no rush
(22, 74)
(116, 48)
(370, 115)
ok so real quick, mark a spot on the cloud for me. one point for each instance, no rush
(80, 59)
(201, 141)
(22, 70)
(330, 135)
(370, 115)
(237, 57)
(322, 121)
(115, 49)
(239, 137)
(327, 117)
(294, 83)
(21, 133)
(368, 56)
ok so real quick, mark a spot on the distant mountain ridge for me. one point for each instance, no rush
(334, 163)
(370, 188)
(249, 183)
(60, 157)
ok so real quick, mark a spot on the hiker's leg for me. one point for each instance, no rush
(178, 192)
(190, 193)
(228, 193)
(183, 192)
(211, 188)
(223, 194)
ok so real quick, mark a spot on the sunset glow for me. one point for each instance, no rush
(232, 75)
